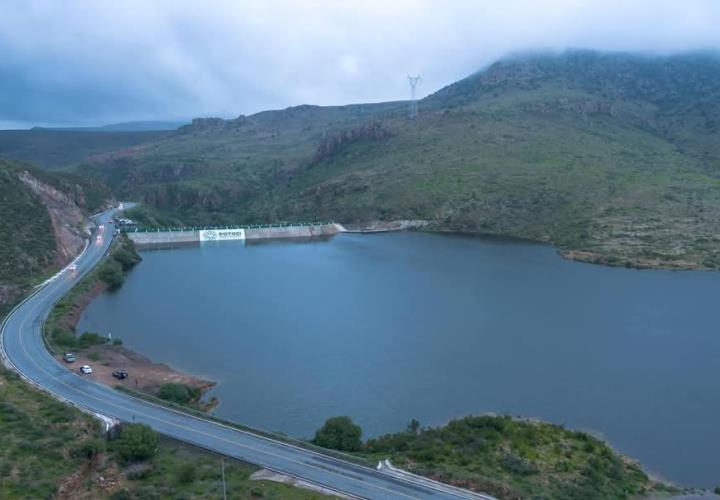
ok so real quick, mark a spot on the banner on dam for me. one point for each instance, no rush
(222, 234)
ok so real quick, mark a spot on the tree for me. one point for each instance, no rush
(339, 433)
(136, 442)
(413, 427)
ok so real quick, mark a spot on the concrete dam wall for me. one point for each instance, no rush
(171, 236)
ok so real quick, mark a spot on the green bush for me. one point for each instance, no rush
(125, 258)
(122, 495)
(89, 339)
(62, 338)
(89, 449)
(136, 442)
(339, 433)
(178, 393)
(186, 474)
(111, 274)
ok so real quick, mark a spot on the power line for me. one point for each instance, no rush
(413, 81)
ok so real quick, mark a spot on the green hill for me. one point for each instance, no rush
(54, 148)
(608, 156)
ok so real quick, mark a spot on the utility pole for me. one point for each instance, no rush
(413, 81)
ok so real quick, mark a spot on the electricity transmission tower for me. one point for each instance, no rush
(413, 80)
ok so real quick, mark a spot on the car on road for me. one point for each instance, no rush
(69, 357)
(120, 374)
(72, 267)
(86, 369)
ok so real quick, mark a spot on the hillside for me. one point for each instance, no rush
(42, 223)
(75, 460)
(54, 148)
(513, 459)
(608, 156)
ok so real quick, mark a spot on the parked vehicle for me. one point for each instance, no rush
(86, 369)
(69, 357)
(120, 374)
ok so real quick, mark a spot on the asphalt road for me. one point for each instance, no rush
(24, 348)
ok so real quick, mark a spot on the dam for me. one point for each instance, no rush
(158, 237)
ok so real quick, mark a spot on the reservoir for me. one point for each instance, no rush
(393, 326)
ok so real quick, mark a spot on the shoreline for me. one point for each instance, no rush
(83, 300)
(144, 375)
(584, 256)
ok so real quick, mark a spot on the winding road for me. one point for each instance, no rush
(22, 349)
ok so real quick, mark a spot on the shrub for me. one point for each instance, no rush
(125, 258)
(122, 495)
(178, 393)
(117, 342)
(89, 449)
(136, 442)
(65, 339)
(186, 474)
(111, 274)
(89, 339)
(339, 433)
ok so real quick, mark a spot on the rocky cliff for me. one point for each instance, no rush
(69, 223)
(42, 227)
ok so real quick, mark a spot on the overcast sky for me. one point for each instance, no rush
(85, 62)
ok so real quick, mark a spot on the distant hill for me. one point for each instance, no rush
(138, 126)
(613, 157)
(54, 148)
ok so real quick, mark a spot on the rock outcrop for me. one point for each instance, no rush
(69, 223)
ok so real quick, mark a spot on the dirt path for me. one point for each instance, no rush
(143, 374)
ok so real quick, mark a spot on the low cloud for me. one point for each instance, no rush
(85, 62)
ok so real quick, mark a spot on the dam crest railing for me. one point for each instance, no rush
(209, 228)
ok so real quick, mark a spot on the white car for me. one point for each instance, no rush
(72, 267)
(86, 369)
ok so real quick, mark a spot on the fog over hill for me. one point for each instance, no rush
(84, 63)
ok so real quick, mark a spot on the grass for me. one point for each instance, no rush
(183, 471)
(38, 434)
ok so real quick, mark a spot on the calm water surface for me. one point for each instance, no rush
(390, 327)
